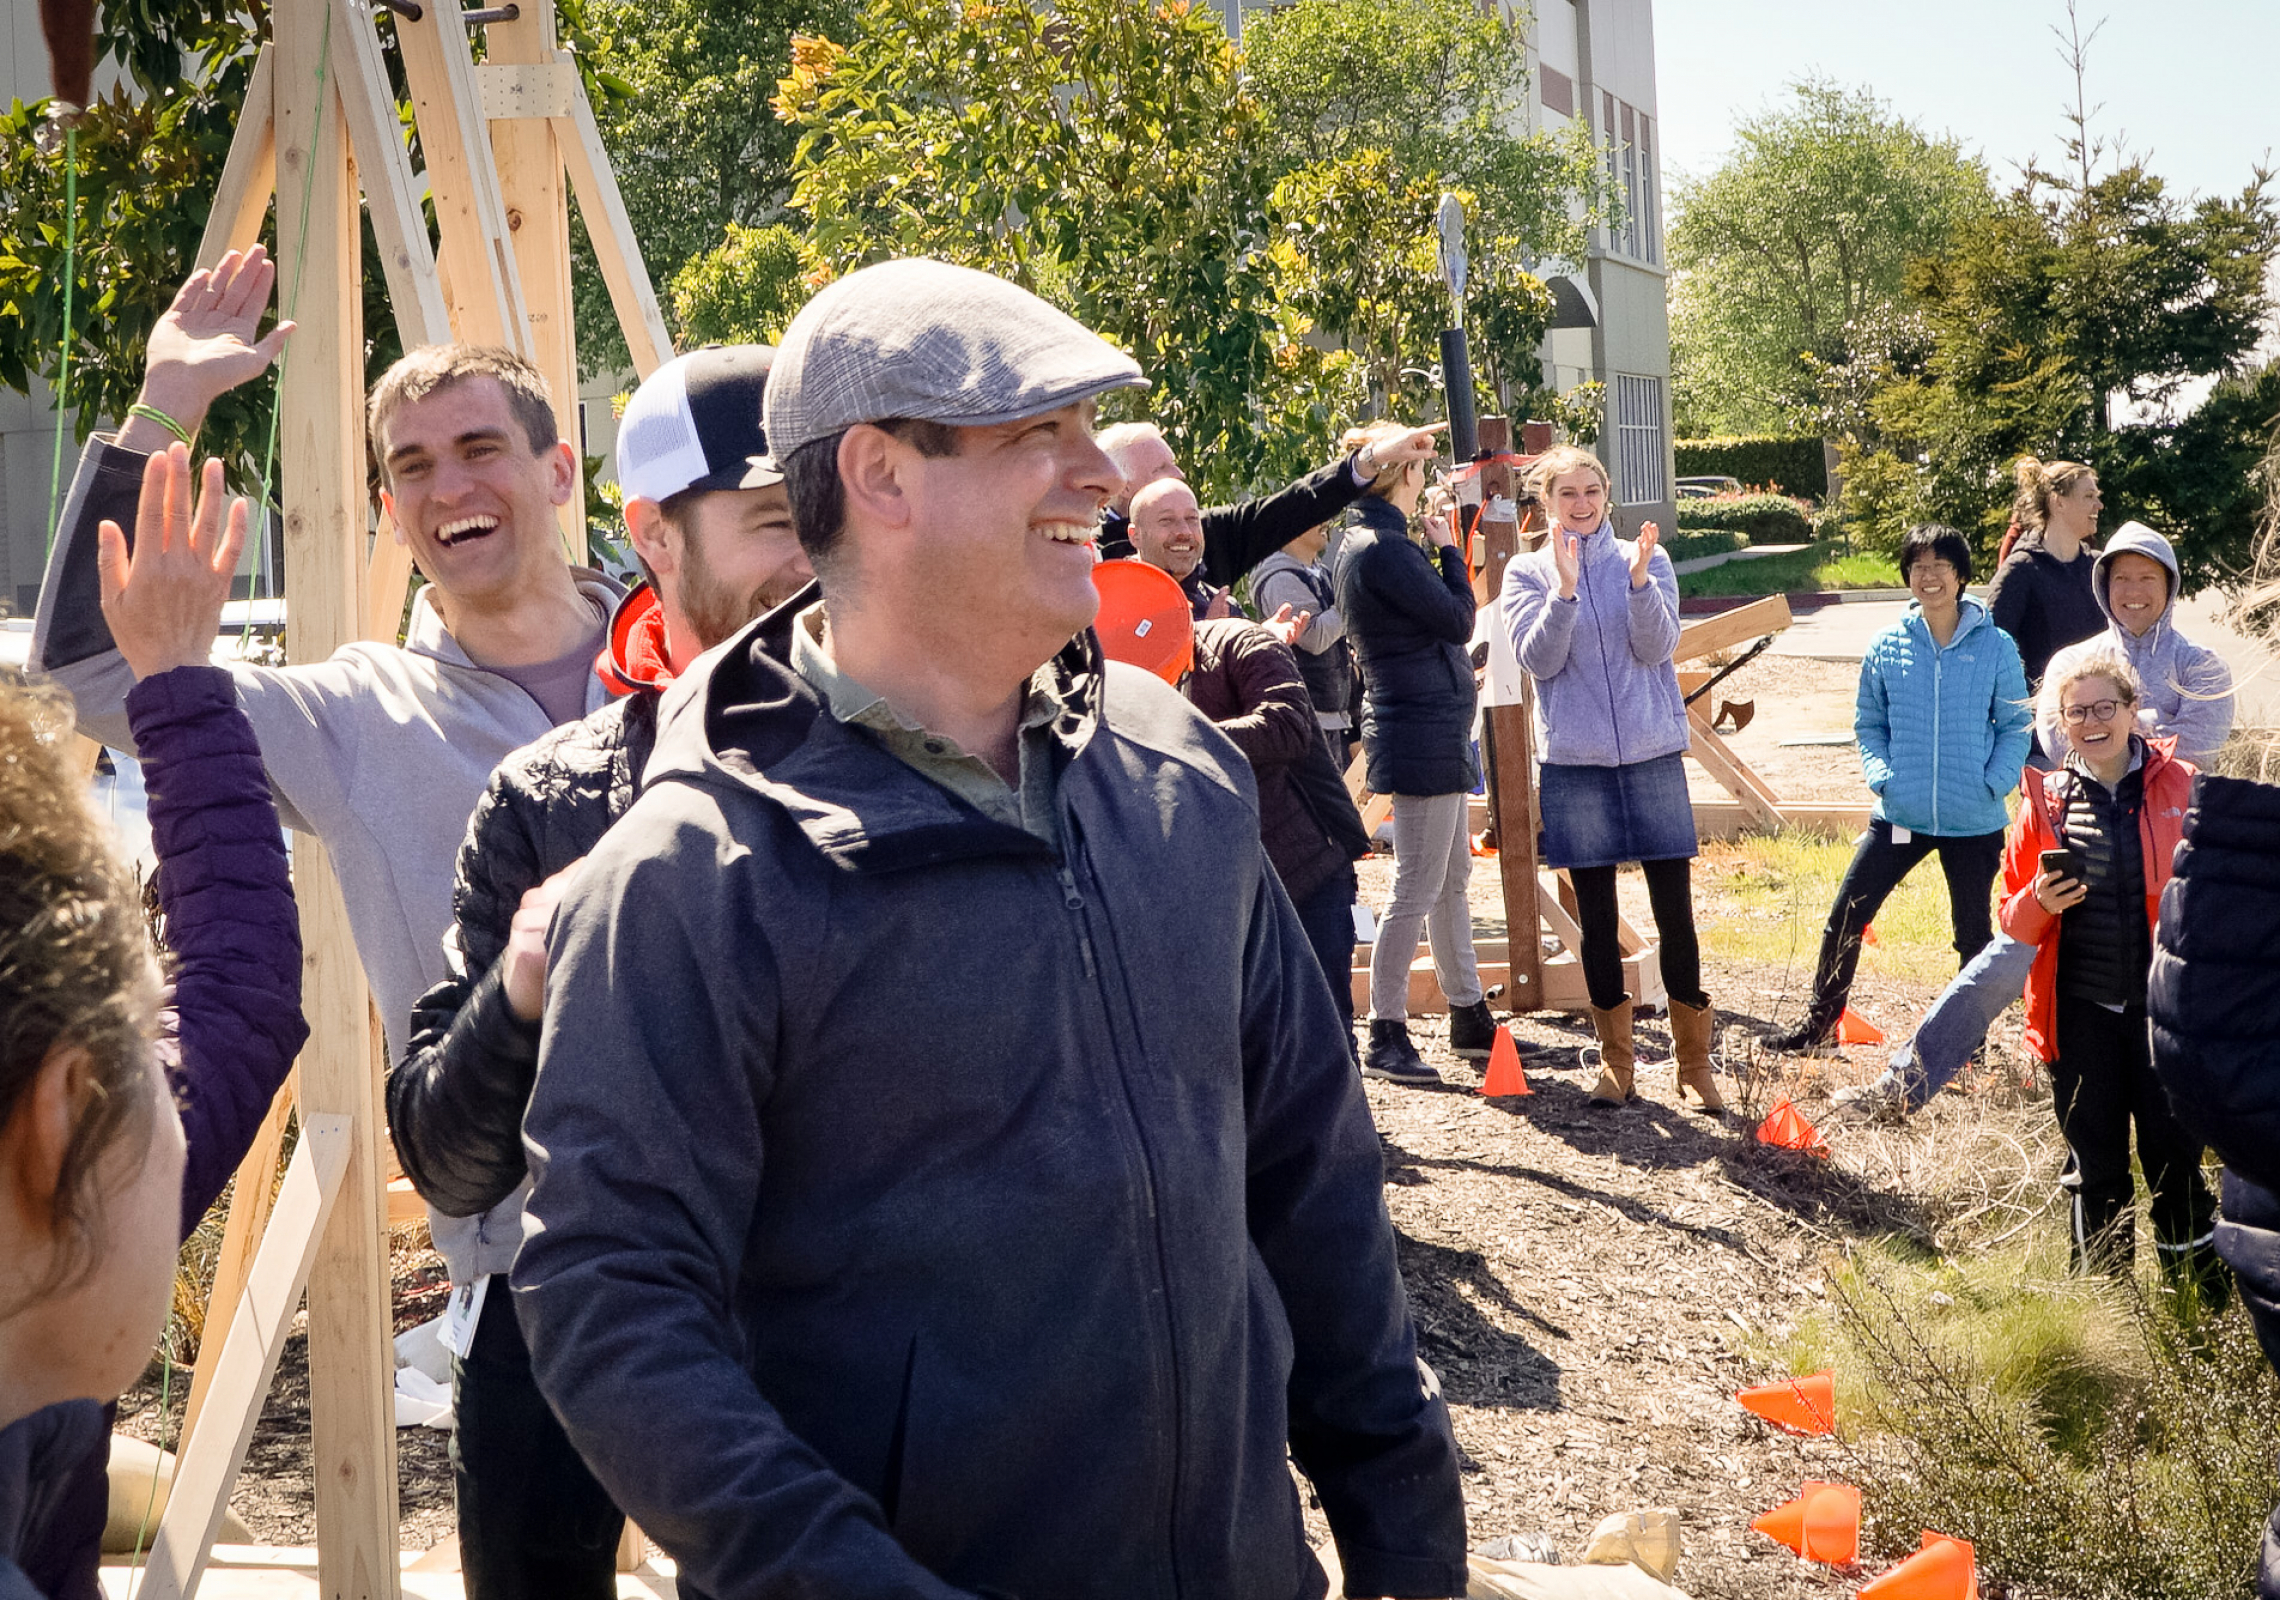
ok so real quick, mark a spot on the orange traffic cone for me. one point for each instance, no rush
(1785, 1128)
(1802, 1405)
(1853, 1028)
(1821, 1524)
(1483, 845)
(1504, 1076)
(1942, 1570)
(1868, 934)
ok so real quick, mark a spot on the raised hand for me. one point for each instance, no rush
(1642, 552)
(164, 601)
(204, 345)
(1418, 444)
(1567, 559)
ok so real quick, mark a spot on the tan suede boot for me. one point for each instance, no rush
(1616, 1059)
(1690, 1043)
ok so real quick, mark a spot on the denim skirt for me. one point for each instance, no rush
(1599, 816)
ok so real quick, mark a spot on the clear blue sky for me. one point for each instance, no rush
(2193, 84)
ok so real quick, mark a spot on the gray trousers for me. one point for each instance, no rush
(1432, 863)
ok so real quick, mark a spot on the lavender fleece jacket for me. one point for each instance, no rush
(1602, 661)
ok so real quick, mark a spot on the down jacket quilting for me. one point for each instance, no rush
(2214, 994)
(1943, 731)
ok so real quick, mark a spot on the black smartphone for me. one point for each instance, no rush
(2064, 861)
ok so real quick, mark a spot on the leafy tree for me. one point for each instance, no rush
(1102, 154)
(685, 112)
(2071, 302)
(149, 154)
(746, 290)
(1372, 108)
(1804, 232)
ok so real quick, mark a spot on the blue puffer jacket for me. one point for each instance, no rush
(1943, 732)
(1410, 617)
(1602, 660)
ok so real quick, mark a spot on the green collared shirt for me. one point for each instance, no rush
(933, 756)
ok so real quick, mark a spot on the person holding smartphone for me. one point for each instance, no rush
(2083, 872)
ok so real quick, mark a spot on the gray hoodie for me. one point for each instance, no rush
(2188, 687)
(380, 752)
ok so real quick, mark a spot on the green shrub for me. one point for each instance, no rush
(1793, 466)
(1766, 518)
(1689, 543)
(2093, 1442)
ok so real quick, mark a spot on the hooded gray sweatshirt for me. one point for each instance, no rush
(2188, 687)
(379, 751)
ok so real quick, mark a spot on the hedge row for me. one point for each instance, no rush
(1688, 543)
(1765, 518)
(1793, 466)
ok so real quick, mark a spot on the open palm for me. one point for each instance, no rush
(204, 345)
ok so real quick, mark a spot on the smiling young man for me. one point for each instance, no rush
(1042, 1294)
(380, 751)
(712, 531)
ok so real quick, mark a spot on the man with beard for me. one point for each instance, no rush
(713, 534)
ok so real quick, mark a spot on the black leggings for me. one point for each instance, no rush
(1670, 894)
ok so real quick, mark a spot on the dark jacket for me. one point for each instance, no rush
(1237, 538)
(48, 1460)
(919, 1209)
(2214, 994)
(235, 944)
(1248, 683)
(1410, 616)
(2043, 603)
(455, 1100)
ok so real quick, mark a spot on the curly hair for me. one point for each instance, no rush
(76, 967)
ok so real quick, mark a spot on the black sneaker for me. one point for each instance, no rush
(1471, 1030)
(1803, 1039)
(1392, 1057)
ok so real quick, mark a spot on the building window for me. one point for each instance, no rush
(1557, 90)
(1639, 452)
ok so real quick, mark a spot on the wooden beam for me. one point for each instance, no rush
(321, 459)
(611, 230)
(210, 1460)
(1718, 759)
(1730, 820)
(1510, 740)
(386, 579)
(252, 1197)
(538, 222)
(407, 260)
(249, 172)
(1728, 628)
(480, 281)
(1563, 983)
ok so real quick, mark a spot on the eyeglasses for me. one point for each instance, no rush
(2102, 710)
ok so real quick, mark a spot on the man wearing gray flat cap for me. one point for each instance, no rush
(949, 1174)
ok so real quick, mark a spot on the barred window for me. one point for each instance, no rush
(1638, 408)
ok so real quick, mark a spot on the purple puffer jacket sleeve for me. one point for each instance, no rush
(230, 918)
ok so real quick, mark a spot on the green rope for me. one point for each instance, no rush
(70, 277)
(292, 308)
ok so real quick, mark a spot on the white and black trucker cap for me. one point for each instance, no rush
(695, 424)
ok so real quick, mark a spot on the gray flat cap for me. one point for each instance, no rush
(935, 343)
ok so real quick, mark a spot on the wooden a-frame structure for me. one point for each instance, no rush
(504, 143)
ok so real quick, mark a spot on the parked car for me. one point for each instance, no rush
(1707, 488)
